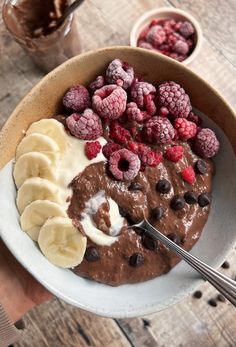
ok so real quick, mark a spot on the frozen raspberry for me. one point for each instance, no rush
(185, 128)
(158, 130)
(174, 98)
(109, 148)
(85, 126)
(206, 144)
(119, 134)
(192, 117)
(156, 35)
(163, 112)
(169, 26)
(186, 29)
(124, 165)
(153, 22)
(174, 153)
(140, 91)
(77, 99)
(145, 154)
(134, 113)
(119, 70)
(188, 174)
(110, 101)
(98, 83)
(143, 33)
(92, 149)
(146, 45)
(181, 47)
(150, 104)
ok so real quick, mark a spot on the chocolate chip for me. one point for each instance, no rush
(204, 199)
(163, 186)
(212, 302)
(221, 298)
(174, 237)
(201, 167)
(197, 294)
(225, 265)
(157, 213)
(190, 198)
(92, 254)
(149, 242)
(136, 260)
(134, 186)
(177, 203)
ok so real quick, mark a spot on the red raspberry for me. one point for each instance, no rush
(158, 130)
(192, 117)
(145, 154)
(134, 113)
(150, 105)
(98, 83)
(77, 99)
(85, 126)
(153, 22)
(156, 35)
(181, 47)
(110, 101)
(163, 112)
(174, 98)
(140, 91)
(206, 143)
(143, 33)
(169, 26)
(186, 29)
(146, 45)
(109, 148)
(119, 134)
(119, 70)
(174, 153)
(124, 165)
(92, 149)
(186, 129)
(188, 174)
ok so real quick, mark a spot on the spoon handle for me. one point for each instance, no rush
(69, 10)
(222, 283)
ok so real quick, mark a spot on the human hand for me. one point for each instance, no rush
(19, 291)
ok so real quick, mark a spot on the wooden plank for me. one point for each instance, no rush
(217, 19)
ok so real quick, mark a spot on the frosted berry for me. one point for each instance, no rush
(142, 93)
(181, 47)
(145, 154)
(192, 117)
(85, 126)
(119, 134)
(98, 83)
(158, 130)
(163, 112)
(186, 129)
(119, 70)
(134, 113)
(124, 165)
(174, 98)
(188, 174)
(92, 149)
(206, 143)
(109, 148)
(146, 45)
(174, 153)
(77, 99)
(110, 101)
(156, 35)
(186, 29)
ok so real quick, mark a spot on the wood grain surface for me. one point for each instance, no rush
(193, 322)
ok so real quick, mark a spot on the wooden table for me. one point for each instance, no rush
(192, 322)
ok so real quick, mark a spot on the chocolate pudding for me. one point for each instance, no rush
(135, 257)
(33, 24)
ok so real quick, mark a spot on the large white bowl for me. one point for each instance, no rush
(219, 233)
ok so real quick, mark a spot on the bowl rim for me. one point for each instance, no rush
(139, 24)
(36, 89)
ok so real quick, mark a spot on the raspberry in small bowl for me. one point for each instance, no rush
(172, 32)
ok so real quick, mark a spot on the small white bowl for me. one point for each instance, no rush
(168, 13)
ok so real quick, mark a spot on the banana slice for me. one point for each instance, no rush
(37, 188)
(61, 242)
(52, 128)
(36, 142)
(33, 164)
(36, 214)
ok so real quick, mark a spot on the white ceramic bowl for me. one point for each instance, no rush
(168, 13)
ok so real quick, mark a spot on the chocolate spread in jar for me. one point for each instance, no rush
(32, 23)
(184, 226)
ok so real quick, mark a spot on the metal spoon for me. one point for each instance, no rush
(68, 11)
(222, 283)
